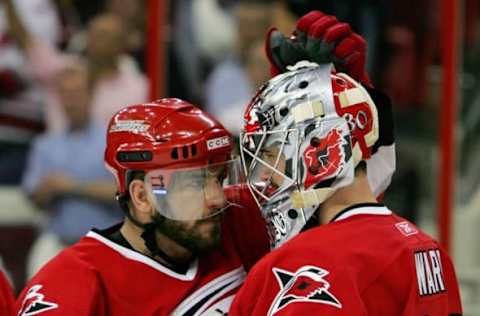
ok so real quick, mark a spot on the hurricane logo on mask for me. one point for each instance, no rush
(325, 158)
(306, 285)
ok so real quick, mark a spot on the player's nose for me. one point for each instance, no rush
(214, 195)
(265, 173)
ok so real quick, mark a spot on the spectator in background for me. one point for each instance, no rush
(233, 81)
(229, 86)
(21, 103)
(202, 35)
(65, 175)
(132, 15)
(113, 76)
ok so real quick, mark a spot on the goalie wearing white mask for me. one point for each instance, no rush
(307, 147)
(305, 133)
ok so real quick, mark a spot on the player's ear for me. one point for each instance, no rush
(142, 207)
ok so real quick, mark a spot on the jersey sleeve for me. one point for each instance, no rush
(453, 292)
(6, 297)
(248, 229)
(63, 287)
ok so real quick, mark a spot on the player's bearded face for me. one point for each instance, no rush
(196, 235)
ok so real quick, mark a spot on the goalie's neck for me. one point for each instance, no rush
(356, 193)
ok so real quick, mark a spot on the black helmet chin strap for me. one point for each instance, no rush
(148, 234)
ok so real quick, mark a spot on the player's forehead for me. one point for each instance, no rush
(274, 149)
(180, 177)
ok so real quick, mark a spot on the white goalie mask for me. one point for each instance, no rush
(305, 132)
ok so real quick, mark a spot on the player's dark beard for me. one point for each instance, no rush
(190, 238)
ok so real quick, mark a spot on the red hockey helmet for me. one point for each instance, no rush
(168, 134)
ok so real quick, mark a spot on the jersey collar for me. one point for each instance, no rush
(362, 209)
(136, 256)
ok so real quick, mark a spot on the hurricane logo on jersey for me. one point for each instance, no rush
(34, 302)
(306, 285)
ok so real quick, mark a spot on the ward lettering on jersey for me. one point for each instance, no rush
(429, 272)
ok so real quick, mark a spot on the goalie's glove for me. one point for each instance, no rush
(319, 38)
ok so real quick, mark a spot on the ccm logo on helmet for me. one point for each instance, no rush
(218, 142)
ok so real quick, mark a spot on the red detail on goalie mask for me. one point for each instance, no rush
(324, 160)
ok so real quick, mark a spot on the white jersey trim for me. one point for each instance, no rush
(364, 210)
(135, 256)
(225, 282)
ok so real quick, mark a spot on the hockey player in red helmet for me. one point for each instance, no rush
(169, 159)
(307, 140)
(175, 157)
(177, 252)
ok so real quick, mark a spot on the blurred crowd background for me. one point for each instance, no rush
(67, 65)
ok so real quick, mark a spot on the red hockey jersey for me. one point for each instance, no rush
(366, 262)
(98, 277)
(6, 297)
